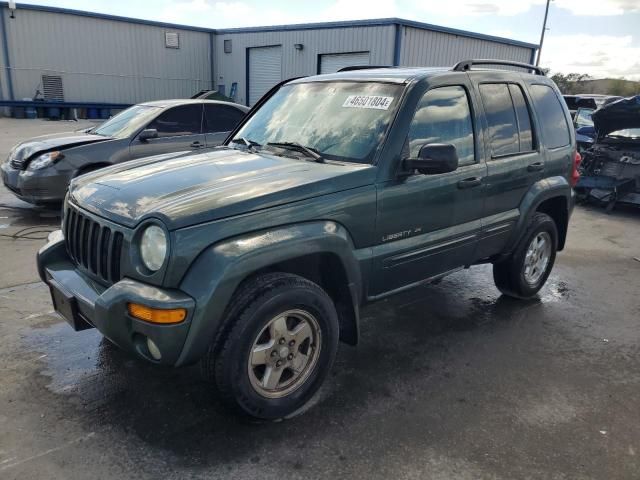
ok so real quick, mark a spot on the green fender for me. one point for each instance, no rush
(217, 272)
(542, 190)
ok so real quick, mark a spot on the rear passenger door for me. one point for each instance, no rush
(179, 128)
(514, 159)
(219, 120)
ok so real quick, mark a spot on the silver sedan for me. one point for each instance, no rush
(39, 170)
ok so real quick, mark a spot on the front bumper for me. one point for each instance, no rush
(105, 308)
(41, 186)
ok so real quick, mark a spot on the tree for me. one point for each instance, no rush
(571, 83)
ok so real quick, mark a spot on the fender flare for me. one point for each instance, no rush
(544, 189)
(216, 273)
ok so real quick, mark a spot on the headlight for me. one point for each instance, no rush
(44, 160)
(153, 247)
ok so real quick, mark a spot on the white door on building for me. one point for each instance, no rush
(265, 70)
(332, 62)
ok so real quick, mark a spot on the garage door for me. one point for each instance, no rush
(331, 63)
(265, 70)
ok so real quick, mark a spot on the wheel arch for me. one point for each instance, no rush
(552, 196)
(321, 251)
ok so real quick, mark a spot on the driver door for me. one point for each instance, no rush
(179, 129)
(429, 224)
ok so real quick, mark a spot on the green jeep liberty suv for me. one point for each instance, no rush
(336, 190)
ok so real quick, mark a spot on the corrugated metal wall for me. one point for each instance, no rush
(119, 61)
(425, 48)
(231, 67)
(104, 60)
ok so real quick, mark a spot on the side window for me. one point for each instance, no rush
(221, 118)
(184, 120)
(501, 117)
(551, 117)
(524, 118)
(443, 116)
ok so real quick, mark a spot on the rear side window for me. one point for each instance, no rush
(501, 117)
(221, 118)
(551, 117)
(183, 120)
(443, 116)
(523, 116)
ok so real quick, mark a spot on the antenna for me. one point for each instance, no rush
(12, 8)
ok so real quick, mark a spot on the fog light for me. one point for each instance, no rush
(156, 315)
(153, 349)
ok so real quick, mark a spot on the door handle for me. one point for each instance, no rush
(535, 167)
(197, 144)
(470, 182)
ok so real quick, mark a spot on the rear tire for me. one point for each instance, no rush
(526, 270)
(280, 340)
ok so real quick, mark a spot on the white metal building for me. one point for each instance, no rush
(80, 56)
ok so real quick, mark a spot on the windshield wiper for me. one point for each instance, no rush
(309, 152)
(250, 144)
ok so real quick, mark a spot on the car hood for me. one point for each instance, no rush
(618, 115)
(186, 189)
(56, 141)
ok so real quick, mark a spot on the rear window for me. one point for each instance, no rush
(555, 131)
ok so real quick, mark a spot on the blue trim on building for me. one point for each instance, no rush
(5, 52)
(397, 45)
(49, 104)
(103, 16)
(275, 28)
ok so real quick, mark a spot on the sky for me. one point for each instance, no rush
(597, 37)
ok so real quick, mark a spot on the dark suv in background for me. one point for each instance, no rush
(254, 258)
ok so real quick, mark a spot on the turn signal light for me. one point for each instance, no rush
(156, 315)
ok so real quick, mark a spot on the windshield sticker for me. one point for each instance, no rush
(368, 101)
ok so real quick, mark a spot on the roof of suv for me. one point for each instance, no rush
(187, 101)
(391, 74)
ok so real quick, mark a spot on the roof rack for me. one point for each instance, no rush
(466, 65)
(362, 67)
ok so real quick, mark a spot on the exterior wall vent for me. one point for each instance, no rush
(52, 88)
(227, 46)
(171, 40)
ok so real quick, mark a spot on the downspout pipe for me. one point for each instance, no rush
(5, 52)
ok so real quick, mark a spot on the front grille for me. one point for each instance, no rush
(95, 247)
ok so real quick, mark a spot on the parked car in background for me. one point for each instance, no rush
(611, 165)
(574, 102)
(591, 101)
(39, 170)
(254, 258)
(211, 95)
(601, 100)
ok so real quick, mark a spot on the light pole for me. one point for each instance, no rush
(544, 28)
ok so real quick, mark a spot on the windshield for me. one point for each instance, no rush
(339, 120)
(126, 122)
(583, 117)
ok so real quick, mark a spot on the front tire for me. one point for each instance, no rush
(526, 270)
(278, 347)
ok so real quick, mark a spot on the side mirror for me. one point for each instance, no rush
(147, 134)
(434, 158)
